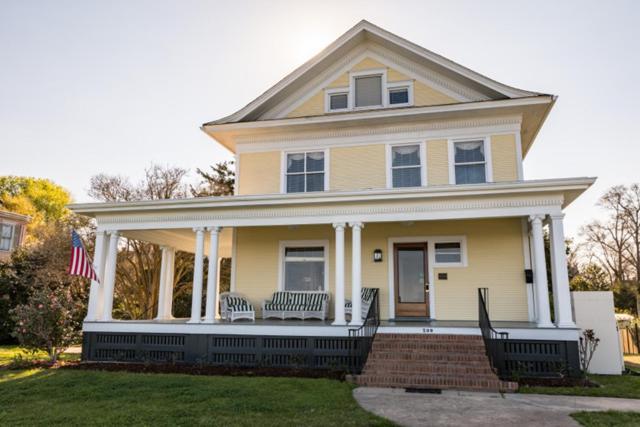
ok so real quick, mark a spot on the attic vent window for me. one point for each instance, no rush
(399, 96)
(338, 101)
(368, 91)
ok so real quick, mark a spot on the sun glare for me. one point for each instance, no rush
(308, 44)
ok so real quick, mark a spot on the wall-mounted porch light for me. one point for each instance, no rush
(377, 255)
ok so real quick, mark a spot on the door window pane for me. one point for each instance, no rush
(368, 91)
(411, 280)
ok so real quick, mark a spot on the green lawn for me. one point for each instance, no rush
(608, 418)
(60, 396)
(611, 386)
(9, 352)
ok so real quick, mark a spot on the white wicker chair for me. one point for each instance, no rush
(366, 296)
(234, 306)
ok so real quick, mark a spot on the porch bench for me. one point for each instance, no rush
(296, 305)
(366, 296)
(234, 306)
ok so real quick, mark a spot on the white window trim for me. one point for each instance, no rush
(451, 239)
(488, 165)
(431, 266)
(283, 168)
(423, 162)
(364, 73)
(11, 238)
(332, 91)
(408, 84)
(300, 244)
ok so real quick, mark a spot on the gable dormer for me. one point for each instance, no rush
(369, 84)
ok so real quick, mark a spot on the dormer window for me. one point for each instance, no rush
(368, 90)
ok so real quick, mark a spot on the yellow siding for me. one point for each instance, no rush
(357, 168)
(424, 95)
(259, 173)
(495, 261)
(314, 106)
(504, 158)
(437, 162)
(342, 81)
(367, 64)
(396, 76)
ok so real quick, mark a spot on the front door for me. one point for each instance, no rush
(411, 283)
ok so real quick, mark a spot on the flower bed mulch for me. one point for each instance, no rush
(205, 370)
(557, 382)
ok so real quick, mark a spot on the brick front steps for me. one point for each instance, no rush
(431, 362)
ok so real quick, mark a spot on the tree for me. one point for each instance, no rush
(44, 201)
(219, 182)
(614, 243)
(39, 267)
(48, 320)
(591, 278)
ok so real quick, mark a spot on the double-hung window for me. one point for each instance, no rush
(305, 172)
(470, 162)
(6, 236)
(304, 268)
(406, 166)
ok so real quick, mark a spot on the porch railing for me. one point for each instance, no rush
(512, 358)
(493, 340)
(362, 337)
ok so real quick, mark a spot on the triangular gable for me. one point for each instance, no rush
(365, 35)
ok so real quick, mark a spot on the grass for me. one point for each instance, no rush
(607, 418)
(9, 352)
(74, 397)
(627, 386)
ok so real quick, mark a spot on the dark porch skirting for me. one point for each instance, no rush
(313, 352)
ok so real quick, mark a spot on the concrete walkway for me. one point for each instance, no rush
(457, 408)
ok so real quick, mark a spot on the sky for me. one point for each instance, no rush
(91, 87)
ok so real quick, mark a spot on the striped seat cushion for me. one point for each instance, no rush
(297, 298)
(238, 304)
(280, 298)
(348, 304)
(283, 307)
(314, 301)
(366, 294)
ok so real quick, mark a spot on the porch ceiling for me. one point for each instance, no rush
(183, 239)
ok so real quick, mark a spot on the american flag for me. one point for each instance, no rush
(80, 263)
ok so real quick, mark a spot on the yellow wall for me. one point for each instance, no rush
(504, 157)
(424, 95)
(357, 167)
(259, 173)
(495, 261)
(437, 162)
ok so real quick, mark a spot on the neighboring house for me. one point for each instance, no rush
(12, 232)
(376, 164)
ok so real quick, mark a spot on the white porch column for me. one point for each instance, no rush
(165, 293)
(212, 277)
(96, 290)
(540, 273)
(356, 273)
(339, 318)
(559, 274)
(110, 276)
(196, 299)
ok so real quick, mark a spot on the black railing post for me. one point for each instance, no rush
(361, 339)
(494, 341)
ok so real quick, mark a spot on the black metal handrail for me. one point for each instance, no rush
(493, 340)
(362, 337)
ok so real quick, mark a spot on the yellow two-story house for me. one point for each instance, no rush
(376, 165)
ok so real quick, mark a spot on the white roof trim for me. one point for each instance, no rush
(363, 26)
(489, 189)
